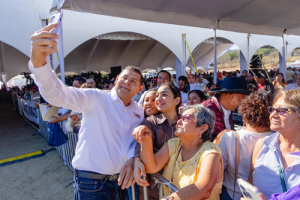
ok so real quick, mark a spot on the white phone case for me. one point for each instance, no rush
(55, 19)
(248, 190)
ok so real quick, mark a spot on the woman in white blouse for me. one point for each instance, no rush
(257, 125)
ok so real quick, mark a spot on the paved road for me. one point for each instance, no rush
(38, 178)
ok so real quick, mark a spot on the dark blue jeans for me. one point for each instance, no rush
(92, 189)
(225, 195)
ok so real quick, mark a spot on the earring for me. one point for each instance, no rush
(199, 135)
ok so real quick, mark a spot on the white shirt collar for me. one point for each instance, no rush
(115, 96)
(226, 112)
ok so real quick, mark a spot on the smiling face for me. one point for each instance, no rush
(149, 103)
(165, 100)
(194, 99)
(289, 121)
(128, 84)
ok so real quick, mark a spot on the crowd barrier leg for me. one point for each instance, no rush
(160, 191)
(145, 191)
(133, 191)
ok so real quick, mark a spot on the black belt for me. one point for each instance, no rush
(91, 175)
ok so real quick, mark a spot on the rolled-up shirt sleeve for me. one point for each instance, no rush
(131, 152)
(58, 94)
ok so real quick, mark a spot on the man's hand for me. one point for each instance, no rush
(139, 170)
(55, 120)
(42, 45)
(126, 175)
(141, 132)
(190, 77)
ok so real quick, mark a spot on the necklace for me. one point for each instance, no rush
(191, 153)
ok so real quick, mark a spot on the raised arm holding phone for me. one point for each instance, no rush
(103, 160)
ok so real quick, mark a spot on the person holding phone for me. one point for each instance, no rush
(272, 170)
(279, 83)
(104, 155)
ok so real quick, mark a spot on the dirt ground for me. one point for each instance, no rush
(38, 178)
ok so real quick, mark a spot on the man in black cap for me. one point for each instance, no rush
(230, 96)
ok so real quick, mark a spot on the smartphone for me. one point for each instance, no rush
(248, 190)
(55, 19)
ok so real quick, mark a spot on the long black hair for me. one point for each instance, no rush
(199, 93)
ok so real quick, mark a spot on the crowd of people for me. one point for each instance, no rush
(133, 127)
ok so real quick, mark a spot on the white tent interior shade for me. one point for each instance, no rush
(268, 17)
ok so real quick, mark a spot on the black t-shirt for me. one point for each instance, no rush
(252, 84)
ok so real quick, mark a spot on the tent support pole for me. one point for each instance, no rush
(283, 69)
(248, 52)
(184, 56)
(215, 56)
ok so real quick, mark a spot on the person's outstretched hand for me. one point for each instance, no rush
(42, 45)
(190, 77)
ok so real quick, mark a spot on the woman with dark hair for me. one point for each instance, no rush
(162, 125)
(279, 83)
(196, 97)
(190, 161)
(209, 87)
(257, 125)
(149, 102)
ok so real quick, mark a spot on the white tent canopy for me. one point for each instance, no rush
(268, 17)
(295, 64)
(79, 28)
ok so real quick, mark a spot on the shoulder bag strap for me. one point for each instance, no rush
(237, 158)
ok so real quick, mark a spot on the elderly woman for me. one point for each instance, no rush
(272, 170)
(167, 102)
(196, 97)
(191, 161)
(257, 125)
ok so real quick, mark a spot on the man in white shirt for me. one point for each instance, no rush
(290, 75)
(104, 153)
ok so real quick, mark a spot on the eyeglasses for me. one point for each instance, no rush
(280, 111)
(186, 118)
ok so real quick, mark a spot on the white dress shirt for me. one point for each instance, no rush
(228, 148)
(226, 117)
(105, 139)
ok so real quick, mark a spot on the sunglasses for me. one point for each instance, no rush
(280, 111)
(186, 118)
(249, 76)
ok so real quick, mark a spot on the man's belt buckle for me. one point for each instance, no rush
(113, 177)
